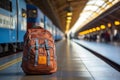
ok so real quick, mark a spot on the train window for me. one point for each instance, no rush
(6, 4)
(32, 13)
(24, 13)
(10, 6)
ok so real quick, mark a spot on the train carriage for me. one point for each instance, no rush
(12, 23)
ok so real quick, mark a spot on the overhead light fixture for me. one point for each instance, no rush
(117, 23)
(94, 29)
(69, 18)
(90, 30)
(97, 28)
(109, 25)
(69, 13)
(69, 10)
(87, 31)
(102, 27)
(68, 21)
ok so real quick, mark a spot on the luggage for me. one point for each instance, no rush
(39, 52)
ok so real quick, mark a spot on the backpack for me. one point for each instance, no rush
(39, 52)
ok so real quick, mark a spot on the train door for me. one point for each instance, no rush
(21, 19)
(13, 17)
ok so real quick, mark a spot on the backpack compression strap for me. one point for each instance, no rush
(47, 47)
(36, 52)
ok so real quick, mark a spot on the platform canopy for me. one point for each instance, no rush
(71, 15)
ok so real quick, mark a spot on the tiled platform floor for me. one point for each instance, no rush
(74, 63)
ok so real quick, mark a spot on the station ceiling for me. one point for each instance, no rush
(109, 16)
(85, 10)
(57, 11)
(108, 20)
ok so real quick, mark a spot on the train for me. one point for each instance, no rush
(16, 16)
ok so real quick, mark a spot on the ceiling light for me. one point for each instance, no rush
(102, 26)
(109, 24)
(97, 28)
(69, 13)
(69, 18)
(94, 29)
(117, 23)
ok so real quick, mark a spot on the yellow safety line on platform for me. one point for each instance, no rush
(10, 63)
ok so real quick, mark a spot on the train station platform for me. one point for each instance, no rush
(109, 50)
(74, 63)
